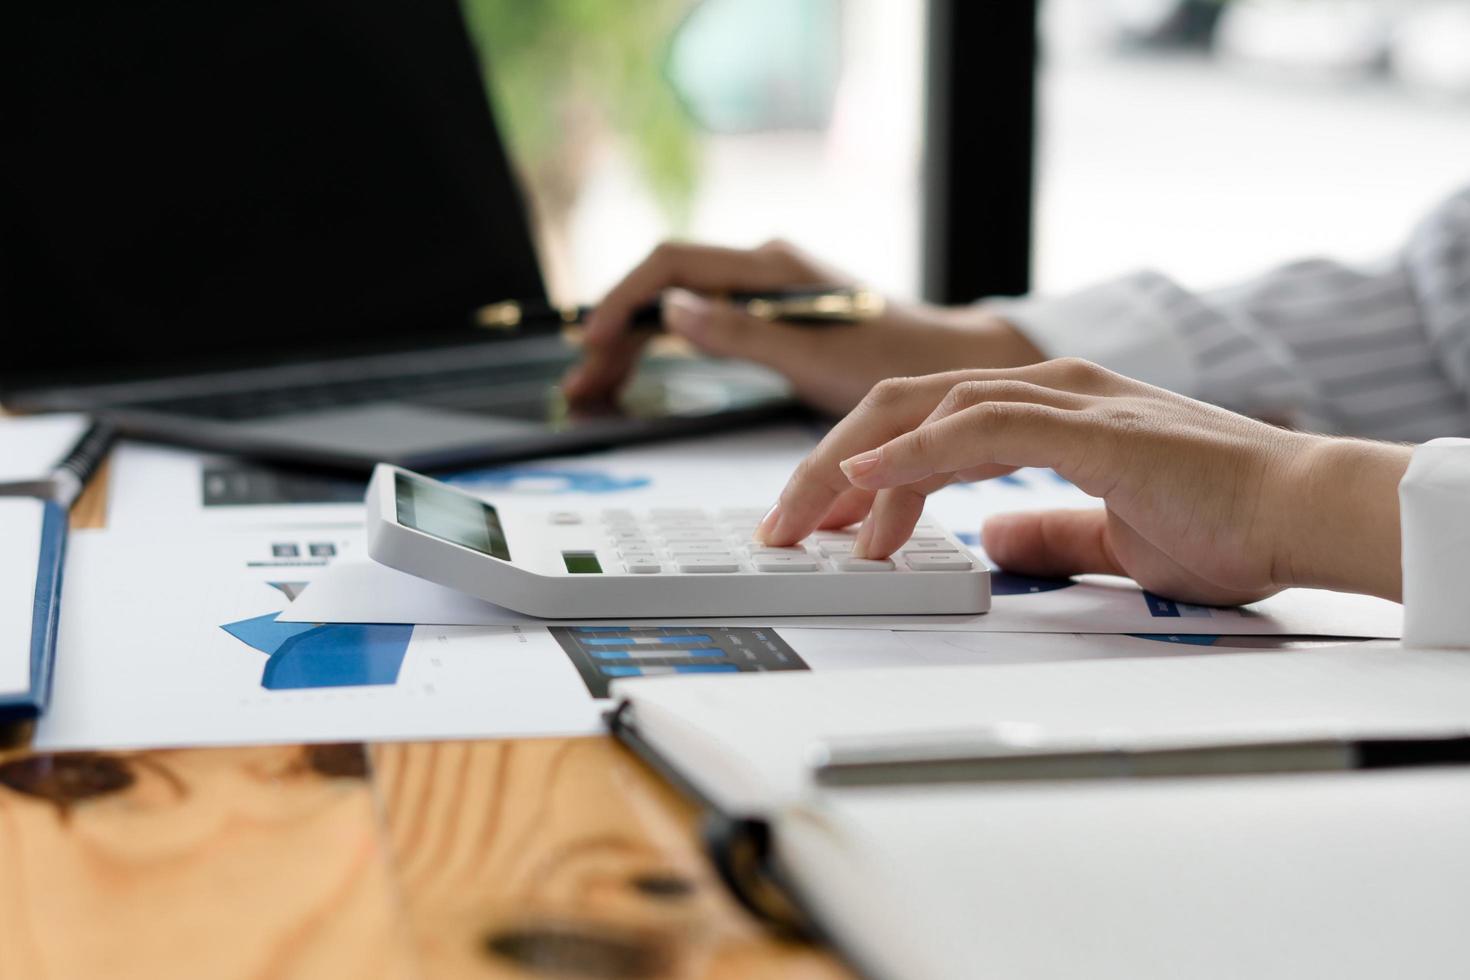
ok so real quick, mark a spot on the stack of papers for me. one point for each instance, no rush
(227, 603)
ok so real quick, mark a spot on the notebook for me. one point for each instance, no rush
(34, 536)
(1345, 874)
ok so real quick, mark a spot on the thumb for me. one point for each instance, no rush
(1051, 544)
(723, 330)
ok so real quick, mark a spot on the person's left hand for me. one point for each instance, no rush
(1201, 504)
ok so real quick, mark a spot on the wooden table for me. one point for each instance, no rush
(517, 858)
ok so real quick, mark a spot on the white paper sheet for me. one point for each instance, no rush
(173, 641)
(365, 592)
(30, 448)
(165, 642)
(154, 485)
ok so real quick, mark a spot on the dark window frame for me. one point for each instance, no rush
(979, 157)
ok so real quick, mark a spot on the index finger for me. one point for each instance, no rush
(892, 408)
(702, 268)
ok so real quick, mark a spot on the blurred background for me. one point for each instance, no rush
(1209, 138)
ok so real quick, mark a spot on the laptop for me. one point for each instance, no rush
(264, 228)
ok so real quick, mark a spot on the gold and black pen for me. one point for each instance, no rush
(810, 306)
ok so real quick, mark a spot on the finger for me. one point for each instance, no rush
(891, 521)
(849, 508)
(603, 370)
(971, 392)
(724, 330)
(1051, 544)
(892, 407)
(1065, 374)
(1004, 433)
(704, 268)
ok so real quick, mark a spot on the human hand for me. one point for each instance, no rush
(829, 367)
(1200, 504)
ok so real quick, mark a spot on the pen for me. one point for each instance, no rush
(814, 306)
(871, 763)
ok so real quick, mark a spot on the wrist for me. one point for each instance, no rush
(996, 341)
(1340, 517)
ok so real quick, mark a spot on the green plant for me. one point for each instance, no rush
(565, 75)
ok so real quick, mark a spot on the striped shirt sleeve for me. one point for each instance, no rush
(1381, 351)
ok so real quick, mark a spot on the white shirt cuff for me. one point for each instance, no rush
(1117, 324)
(1434, 509)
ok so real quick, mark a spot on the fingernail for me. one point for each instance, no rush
(861, 463)
(684, 311)
(768, 524)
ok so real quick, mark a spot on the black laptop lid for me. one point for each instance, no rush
(192, 184)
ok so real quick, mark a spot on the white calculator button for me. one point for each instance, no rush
(566, 517)
(643, 567)
(624, 533)
(765, 551)
(618, 514)
(835, 549)
(938, 563)
(678, 540)
(707, 563)
(700, 548)
(864, 564)
(785, 565)
(743, 513)
(835, 536)
(637, 554)
(915, 547)
(661, 512)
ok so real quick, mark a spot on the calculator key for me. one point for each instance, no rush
(785, 565)
(674, 540)
(678, 522)
(937, 546)
(835, 536)
(700, 548)
(566, 517)
(706, 563)
(643, 567)
(762, 551)
(864, 564)
(752, 514)
(938, 562)
(836, 549)
(637, 554)
(658, 512)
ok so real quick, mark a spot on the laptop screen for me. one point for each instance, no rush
(193, 184)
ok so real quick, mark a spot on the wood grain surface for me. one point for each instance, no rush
(532, 858)
(229, 863)
(561, 857)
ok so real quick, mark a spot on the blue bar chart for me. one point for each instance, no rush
(603, 654)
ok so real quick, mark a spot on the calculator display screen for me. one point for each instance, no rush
(450, 516)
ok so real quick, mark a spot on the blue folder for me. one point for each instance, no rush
(33, 641)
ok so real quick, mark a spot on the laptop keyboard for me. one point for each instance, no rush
(484, 383)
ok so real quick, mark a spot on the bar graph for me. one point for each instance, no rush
(603, 654)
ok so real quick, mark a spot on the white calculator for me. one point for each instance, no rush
(667, 562)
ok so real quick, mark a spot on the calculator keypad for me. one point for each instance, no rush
(690, 541)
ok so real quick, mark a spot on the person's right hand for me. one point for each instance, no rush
(1199, 503)
(830, 368)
